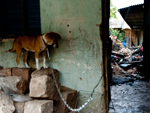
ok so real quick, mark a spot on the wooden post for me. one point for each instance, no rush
(130, 37)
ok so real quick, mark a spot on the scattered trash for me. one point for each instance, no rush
(127, 65)
(127, 59)
(125, 51)
(116, 44)
(16, 97)
(10, 89)
(127, 84)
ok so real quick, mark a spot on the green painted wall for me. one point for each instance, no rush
(8, 59)
(79, 56)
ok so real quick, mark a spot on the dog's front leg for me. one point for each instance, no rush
(37, 60)
(44, 59)
(25, 58)
(18, 51)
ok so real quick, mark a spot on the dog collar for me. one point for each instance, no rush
(44, 41)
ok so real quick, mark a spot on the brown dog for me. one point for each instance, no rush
(35, 44)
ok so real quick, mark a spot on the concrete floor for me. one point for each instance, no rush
(130, 98)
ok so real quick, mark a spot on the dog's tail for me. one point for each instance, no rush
(11, 50)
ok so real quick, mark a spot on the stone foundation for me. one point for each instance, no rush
(43, 96)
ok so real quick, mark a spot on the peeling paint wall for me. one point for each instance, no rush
(79, 55)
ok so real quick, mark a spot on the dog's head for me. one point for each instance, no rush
(51, 38)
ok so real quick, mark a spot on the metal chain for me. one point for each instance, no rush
(80, 108)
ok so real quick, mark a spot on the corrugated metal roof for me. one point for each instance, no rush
(134, 16)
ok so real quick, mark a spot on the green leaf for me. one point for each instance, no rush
(120, 34)
(113, 10)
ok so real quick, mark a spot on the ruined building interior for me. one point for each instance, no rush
(74, 64)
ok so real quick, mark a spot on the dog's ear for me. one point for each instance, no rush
(52, 34)
(58, 36)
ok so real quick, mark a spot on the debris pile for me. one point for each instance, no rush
(116, 44)
(33, 91)
(128, 62)
(125, 51)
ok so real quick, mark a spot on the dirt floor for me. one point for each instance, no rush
(130, 90)
(129, 94)
(130, 98)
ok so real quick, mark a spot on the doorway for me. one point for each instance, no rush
(129, 84)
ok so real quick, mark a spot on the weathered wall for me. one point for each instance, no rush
(8, 59)
(79, 56)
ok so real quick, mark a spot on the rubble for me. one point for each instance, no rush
(42, 84)
(5, 72)
(116, 44)
(127, 62)
(15, 83)
(6, 103)
(48, 72)
(127, 82)
(25, 73)
(70, 96)
(125, 51)
(39, 106)
(19, 107)
(117, 70)
(43, 87)
(18, 82)
(40, 97)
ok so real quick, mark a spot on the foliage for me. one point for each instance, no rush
(120, 34)
(113, 10)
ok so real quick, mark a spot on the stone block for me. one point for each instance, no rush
(25, 73)
(19, 107)
(6, 103)
(43, 87)
(16, 84)
(39, 106)
(70, 96)
(5, 72)
(1, 67)
(48, 71)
